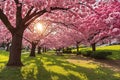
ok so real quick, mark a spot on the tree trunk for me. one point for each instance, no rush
(39, 50)
(93, 47)
(15, 51)
(32, 53)
(44, 49)
(77, 47)
(109, 42)
(8, 47)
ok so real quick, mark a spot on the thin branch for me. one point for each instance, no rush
(36, 14)
(27, 39)
(58, 8)
(93, 35)
(28, 13)
(103, 38)
(30, 29)
(30, 21)
(5, 20)
(16, 1)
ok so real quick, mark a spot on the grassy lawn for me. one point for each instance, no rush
(115, 49)
(51, 67)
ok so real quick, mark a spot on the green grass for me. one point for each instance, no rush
(115, 49)
(52, 67)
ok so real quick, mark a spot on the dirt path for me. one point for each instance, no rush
(112, 64)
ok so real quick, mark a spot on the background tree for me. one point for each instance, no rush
(37, 31)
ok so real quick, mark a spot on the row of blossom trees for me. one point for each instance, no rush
(89, 22)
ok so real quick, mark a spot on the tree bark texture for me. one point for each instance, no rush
(15, 51)
(93, 47)
(32, 53)
(39, 50)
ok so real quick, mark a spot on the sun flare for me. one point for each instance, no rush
(39, 27)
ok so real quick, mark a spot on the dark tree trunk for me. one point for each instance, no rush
(32, 53)
(15, 51)
(77, 47)
(109, 42)
(58, 52)
(8, 47)
(17, 34)
(62, 49)
(39, 50)
(44, 49)
(93, 47)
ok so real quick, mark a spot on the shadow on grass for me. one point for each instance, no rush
(115, 52)
(47, 67)
(81, 73)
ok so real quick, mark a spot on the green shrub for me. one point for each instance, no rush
(100, 55)
(67, 50)
(97, 54)
(74, 52)
(78, 53)
(87, 53)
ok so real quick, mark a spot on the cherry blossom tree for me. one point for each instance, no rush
(100, 25)
(62, 38)
(17, 15)
(37, 31)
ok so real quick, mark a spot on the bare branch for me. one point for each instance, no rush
(28, 13)
(93, 35)
(30, 29)
(29, 19)
(103, 38)
(16, 1)
(27, 39)
(35, 15)
(5, 20)
(58, 8)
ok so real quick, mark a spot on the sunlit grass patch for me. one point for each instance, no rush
(29, 71)
(3, 55)
(3, 59)
(51, 67)
(2, 66)
(84, 63)
(117, 75)
(112, 47)
(80, 75)
(64, 69)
